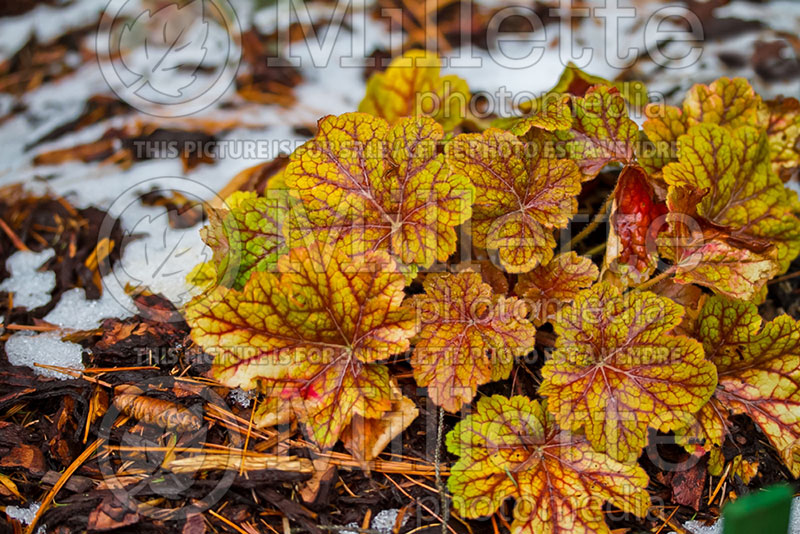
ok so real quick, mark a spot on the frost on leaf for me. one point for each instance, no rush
(245, 235)
(635, 213)
(549, 287)
(369, 186)
(314, 331)
(411, 86)
(521, 195)
(468, 337)
(722, 184)
(514, 448)
(601, 131)
(759, 375)
(616, 370)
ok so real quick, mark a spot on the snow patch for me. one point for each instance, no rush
(384, 520)
(23, 515)
(73, 311)
(76, 312)
(46, 23)
(241, 397)
(27, 348)
(695, 527)
(30, 287)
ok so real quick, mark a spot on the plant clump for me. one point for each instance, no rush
(321, 286)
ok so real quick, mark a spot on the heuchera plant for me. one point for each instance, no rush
(514, 448)
(306, 298)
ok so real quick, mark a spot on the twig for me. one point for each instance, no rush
(596, 249)
(227, 462)
(656, 279)
(719, 484)
(674, 526)
(13, 237)
(667, 520)
(62, 480)
(227, 521)
(784, 278)
(73, 373)
(98, 370)
(598, 218)
(433, 514)
(249, 431)
(33, 328)
(438, 472)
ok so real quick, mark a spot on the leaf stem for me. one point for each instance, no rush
(656, 279)
(598, 218)
(595, 250)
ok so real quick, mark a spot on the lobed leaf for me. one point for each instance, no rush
(730, 103)
(726, 102)
(549, 287)
(369, 186)
(616, 370)
(782, 119)
(601, 131)
(246, 235)
(759, 375)
(314, 331)
(554, 115)
(522, 195)
(411, 86)
(659, 138)
(709, 259)
(723, 181)
(514, 448)
(631, 250)
(574, 81)
(468, 337)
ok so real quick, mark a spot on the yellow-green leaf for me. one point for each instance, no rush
(759, 375)
(369, 186)
(782, 119)
(246, 235)
(723, 180)
(616, 369)
(315, 329)
(514, 448)
(730, 103)
(522, 195)
(412, 85)
(468, 337)
(549, 287)
(574, 81)
(554, 115)
(601, 131)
